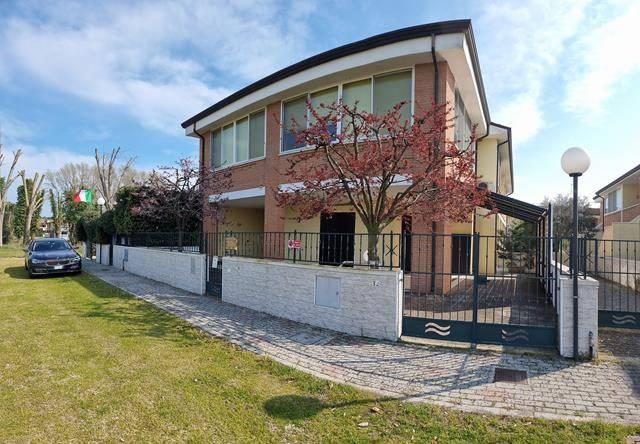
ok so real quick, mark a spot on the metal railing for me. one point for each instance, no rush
(190, 242)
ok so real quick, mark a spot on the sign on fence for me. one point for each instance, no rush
(294, 244)
(231, 243)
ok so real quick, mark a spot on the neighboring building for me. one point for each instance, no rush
(47, 229)
(242, 132)
(620, 207)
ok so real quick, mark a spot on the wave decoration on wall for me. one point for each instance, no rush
(624, 319)
(515, 335)
(442, 330)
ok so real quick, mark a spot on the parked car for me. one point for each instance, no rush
(51, 256)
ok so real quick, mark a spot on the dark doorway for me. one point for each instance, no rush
(460, 254)
(337, 238)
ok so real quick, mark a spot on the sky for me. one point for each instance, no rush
(79, 75)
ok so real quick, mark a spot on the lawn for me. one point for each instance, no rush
(83, 361)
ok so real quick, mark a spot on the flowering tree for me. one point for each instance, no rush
(384, 166)
(179, 192)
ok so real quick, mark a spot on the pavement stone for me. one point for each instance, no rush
(557, 388)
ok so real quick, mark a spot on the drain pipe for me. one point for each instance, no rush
(201, 144)
(436, 94)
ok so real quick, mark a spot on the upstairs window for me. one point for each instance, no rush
(296, 110)
(462, 126)
(613, 201)
(379, 94)
(239, 141)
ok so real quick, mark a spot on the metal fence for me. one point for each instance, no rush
(190, 242)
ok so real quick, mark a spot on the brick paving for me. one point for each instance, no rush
(460, 379)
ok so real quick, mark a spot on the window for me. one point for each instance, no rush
(296, 110)
(377, 94)
(463, 126)
(239, 141)
(613, 201)
(391, 89)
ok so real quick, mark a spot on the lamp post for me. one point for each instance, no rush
(575, 162)
(101, 202)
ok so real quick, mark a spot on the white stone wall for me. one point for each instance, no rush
(587, 316)
(181, 270)
(370, 300)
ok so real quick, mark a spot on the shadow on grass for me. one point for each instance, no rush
(294, 407)
(21, 273)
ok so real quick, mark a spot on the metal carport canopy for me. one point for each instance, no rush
(516, 208)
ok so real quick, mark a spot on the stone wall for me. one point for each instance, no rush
(369, 302)
(181, 270)
(587, 316)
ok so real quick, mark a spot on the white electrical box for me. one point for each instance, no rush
(327, 291)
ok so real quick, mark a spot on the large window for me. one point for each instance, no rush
(613, 201)
(377, 94)
(239, 141)
(463, 126)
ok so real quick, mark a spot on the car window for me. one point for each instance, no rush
(52, 245)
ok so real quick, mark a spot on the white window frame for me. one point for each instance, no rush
(340, 86)
(243, 162)
(618, 202)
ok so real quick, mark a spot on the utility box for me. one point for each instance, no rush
(327, 291)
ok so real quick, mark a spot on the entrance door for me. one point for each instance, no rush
(337, 238)
(460, 254)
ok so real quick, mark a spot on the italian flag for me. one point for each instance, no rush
(83, 196)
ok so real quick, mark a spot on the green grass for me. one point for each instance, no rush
(11, 250)
(82, 361)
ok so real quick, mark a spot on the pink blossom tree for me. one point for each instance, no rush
(384, 166)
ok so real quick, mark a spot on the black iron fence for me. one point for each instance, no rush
(190, 242)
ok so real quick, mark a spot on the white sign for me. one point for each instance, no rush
(214, 262)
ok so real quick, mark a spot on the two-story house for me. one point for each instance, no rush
(620, 207)
(438, 61)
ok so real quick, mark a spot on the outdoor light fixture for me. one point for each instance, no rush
(101, 201)
(575, 162)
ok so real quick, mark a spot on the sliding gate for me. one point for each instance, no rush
(481, 289)
(616, 266)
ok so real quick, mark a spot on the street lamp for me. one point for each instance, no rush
(101, 202)
(575, 162)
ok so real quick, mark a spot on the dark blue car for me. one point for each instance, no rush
(51, 256)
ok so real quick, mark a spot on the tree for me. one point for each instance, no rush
(5, 185)
(7, 230)
(72, 177)
(562, 206)
(75, 212)
(33, 198)
(20, 214)
(55, 201)
(110, 176)
(383, 166)
(178, 193)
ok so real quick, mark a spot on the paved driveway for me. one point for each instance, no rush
(556, 388)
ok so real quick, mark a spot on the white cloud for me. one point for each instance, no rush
(603, 55)
(524, 43)
(159, 61)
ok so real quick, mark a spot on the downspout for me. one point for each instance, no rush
(436, 94)
(201, 162)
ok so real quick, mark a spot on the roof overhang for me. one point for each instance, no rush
(516, 208)
(454, 42)
(631, 176)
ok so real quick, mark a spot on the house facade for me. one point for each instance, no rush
(620, 207)
(435, 62)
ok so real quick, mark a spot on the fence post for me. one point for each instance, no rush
(475, 265)
(595, 264)
(295, 233)
(391, 252)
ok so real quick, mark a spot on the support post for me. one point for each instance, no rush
(574, 264)
(475, 264)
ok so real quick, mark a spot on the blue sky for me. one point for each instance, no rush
(78, 75)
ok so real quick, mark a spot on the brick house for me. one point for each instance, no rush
(437, 61)
(620, 207)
